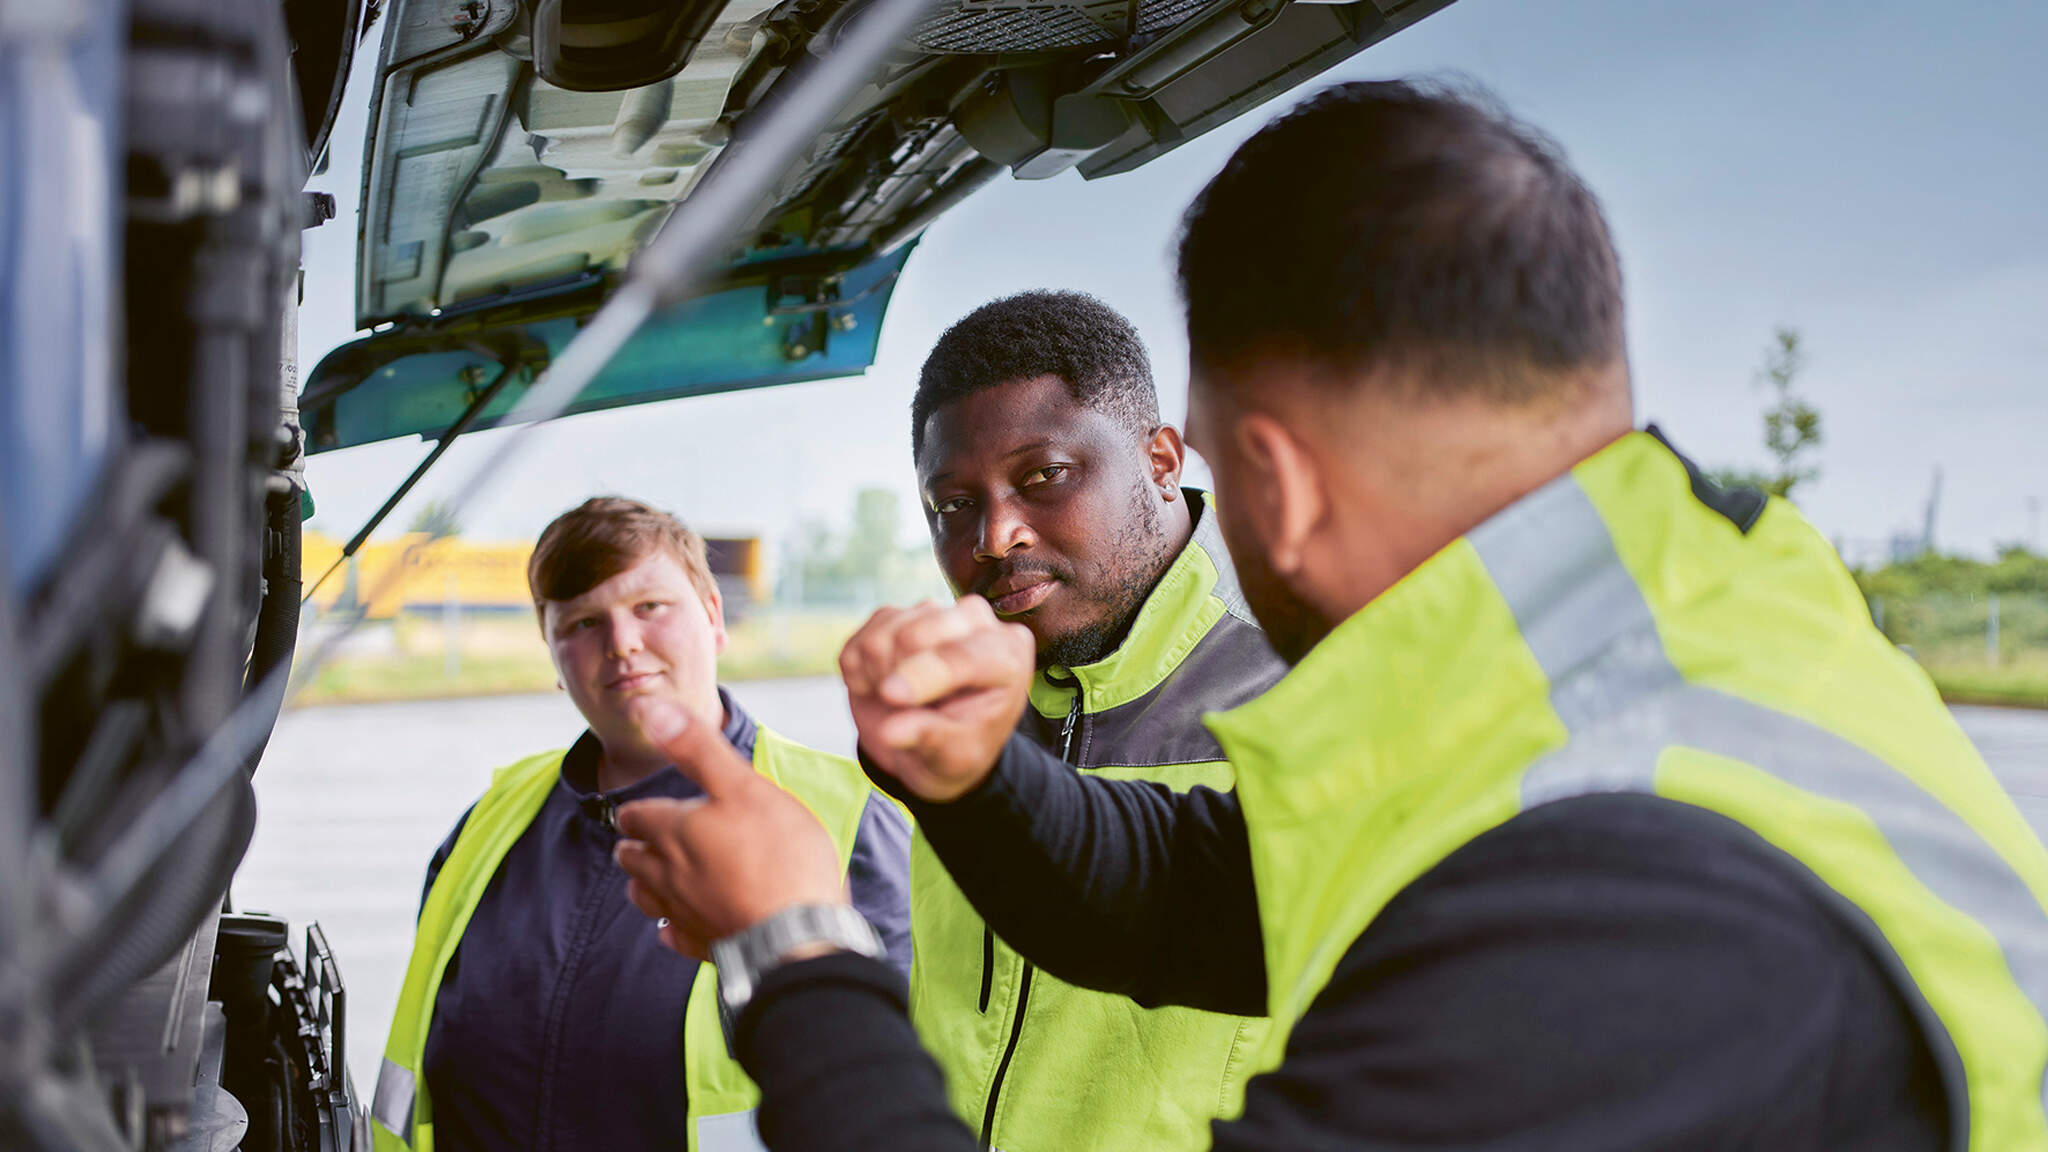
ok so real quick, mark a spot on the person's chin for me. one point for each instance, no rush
(1045, 626)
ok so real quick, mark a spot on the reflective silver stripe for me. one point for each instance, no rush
(730, 1132)
(392, 1105)
(1623, 702)
(1576, 605)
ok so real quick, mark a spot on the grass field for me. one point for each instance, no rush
(1949, 633)
(2017, 681)
(409, 659)
(500, 655)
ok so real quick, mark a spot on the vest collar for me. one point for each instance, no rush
(1196, 590)
(579, 764)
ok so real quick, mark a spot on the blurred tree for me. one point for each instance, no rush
(871, 542)
(435, 519)
(864, 565)
(1792, 427)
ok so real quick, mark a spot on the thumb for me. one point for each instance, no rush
(650, 827)
(694, 743)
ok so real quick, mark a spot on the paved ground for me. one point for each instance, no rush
(353, 800)
(2014, 742)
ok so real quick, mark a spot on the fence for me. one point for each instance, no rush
(1991, 647)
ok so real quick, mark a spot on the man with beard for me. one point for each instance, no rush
(1592, 814)
(1052, 490)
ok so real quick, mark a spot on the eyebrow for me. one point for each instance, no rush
(1020, 450)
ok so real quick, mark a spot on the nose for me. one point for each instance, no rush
(624, 635)
(1003, 531)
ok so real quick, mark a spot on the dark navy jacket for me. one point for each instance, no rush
(559, 1021)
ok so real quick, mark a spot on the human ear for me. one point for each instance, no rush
(1289, 497)
(714, 609)
(1167, 455)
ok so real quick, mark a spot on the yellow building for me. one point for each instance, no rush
(490, 575)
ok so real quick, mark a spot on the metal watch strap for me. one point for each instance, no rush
(744, 957)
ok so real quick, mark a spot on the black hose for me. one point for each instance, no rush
(277, 620)
(155, 922)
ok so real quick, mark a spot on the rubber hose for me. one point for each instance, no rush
(158, 920)
(277, 619)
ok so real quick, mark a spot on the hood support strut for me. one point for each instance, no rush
(461, 425)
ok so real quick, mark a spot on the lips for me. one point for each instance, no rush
(631, 681)
(1020, 599)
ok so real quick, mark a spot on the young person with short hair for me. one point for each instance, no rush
(539, 1010)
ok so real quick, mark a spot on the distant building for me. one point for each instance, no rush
(486, 576)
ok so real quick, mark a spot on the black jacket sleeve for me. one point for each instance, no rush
(830, 1045)
(1600, 974)
(1121, 886)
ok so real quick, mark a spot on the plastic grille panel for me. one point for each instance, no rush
(972, 26)
(1011, 30)
(1158, 15)
(828, 153)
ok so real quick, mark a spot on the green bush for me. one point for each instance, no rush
(1939, 609)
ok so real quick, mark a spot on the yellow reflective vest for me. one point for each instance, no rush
(1032, 1063)
(1613, 632)
(721, 1098)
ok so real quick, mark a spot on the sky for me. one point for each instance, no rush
(1871, 174)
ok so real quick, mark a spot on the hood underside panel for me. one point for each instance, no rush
(778, 325)
(484, 178)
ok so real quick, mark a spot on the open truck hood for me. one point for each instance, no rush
(513, 171)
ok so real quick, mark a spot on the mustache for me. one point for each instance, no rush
(1013, 570)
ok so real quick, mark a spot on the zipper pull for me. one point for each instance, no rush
(1067, 729)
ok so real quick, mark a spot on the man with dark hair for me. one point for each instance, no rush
(1071, 336)
(1474, 264)
(537, 1011)
(1052, 490)
(1593, 813)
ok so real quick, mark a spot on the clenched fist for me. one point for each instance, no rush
(936, 690)
(725, 861)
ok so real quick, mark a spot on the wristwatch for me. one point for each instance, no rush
(744, 957)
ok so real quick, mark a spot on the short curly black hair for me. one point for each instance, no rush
(1071, 335)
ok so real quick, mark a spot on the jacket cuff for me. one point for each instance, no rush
(999, 792)
(817, 985)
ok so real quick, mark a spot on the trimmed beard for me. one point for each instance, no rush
(1126, 594)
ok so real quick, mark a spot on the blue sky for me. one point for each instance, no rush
(1872, 174)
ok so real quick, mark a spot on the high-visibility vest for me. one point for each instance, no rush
(1613, 632)
(1038, 1064)
(721, 1099)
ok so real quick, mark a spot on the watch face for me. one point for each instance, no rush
(735, 976)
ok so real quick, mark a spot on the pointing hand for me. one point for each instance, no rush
(725, 861)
